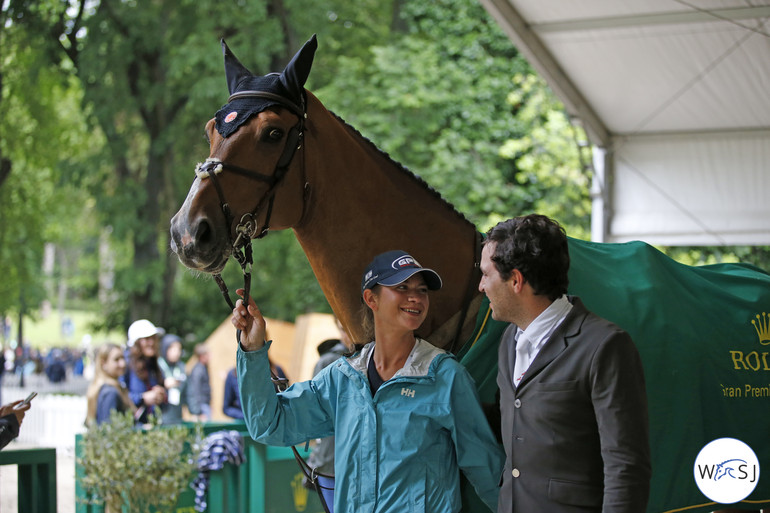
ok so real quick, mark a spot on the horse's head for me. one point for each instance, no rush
(251, 180)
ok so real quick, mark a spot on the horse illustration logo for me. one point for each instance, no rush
(723, 469)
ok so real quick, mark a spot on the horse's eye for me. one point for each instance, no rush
(275, 135)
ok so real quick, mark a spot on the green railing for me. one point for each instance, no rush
(36, 477)
(268, 481)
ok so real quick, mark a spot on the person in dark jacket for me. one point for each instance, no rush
(199, 387)
(232, 402)
(573, 399)
(321, 460)
(10, 421)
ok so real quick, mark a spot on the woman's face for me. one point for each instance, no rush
(174, 352)
(115, 364)
(405, 305)
(148, 346)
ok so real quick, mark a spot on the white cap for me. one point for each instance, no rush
(142, 329)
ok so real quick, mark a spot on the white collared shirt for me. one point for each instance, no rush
(542, 328)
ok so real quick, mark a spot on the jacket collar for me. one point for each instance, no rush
(417, 364)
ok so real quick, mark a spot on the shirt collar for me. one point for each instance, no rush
(546, 323)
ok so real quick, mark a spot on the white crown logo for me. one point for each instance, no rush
(762, 326)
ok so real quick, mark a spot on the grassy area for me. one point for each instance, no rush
(47, 332)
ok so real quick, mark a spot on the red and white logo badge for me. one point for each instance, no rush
(230, 117)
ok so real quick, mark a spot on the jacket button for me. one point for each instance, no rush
(515, 472)
(517, 403)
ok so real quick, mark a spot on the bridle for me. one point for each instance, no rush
(247, 228)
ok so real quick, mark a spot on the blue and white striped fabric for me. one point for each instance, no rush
(218, 448)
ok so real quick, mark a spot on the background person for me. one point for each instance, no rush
(231, 406)
(175, 377)
(572, 394)
(322, 457)
(199, 386)
(400, 409)
(10, 421)
(144, 378)
(106, 393)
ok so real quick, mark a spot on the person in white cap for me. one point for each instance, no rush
(144, 378)
(405, 415)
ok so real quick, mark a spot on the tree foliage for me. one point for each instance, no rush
(41, 129)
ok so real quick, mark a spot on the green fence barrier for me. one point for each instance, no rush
(36, 477)
(268, 481)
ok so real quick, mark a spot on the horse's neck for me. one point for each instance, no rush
(362, 203)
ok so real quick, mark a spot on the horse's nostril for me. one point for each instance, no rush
(203, 234)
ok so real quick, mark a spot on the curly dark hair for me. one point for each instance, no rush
(535, 245)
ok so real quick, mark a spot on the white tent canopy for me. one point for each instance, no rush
(675, 95)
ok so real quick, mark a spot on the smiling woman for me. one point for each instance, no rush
(400, 408)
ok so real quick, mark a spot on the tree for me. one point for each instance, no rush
(37, 102)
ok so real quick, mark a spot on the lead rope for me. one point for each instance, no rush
(244, 257)
(245, 261)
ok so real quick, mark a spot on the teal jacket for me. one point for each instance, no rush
(399, 451)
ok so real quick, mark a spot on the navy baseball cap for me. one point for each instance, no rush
(394, 267)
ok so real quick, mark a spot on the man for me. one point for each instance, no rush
(572, 393)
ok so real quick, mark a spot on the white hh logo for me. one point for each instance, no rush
(407, 392)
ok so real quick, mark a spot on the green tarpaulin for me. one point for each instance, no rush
(704, 339)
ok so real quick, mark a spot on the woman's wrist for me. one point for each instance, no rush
(247, 347)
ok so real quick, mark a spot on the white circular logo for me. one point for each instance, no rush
(726, 470)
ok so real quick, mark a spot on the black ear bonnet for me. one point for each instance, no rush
(285, 89)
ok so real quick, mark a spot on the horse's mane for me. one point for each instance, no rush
(403, 169)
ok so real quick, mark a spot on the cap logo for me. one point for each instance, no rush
(230, 117)
(404, 261)
(368, 275)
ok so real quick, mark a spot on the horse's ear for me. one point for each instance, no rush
(294, 76)
(234, 70)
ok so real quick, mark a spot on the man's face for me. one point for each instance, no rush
(492, 284)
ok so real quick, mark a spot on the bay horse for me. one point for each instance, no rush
(279, 159)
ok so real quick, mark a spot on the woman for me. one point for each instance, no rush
(144, 378)
(105, 393)
(406, 415)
